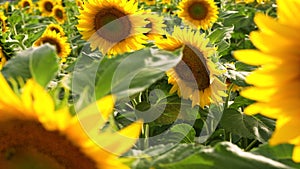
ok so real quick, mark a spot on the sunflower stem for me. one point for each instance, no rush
(146, 134)
(249, 147)
(228, 98)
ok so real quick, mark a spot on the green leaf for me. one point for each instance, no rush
(222, 155)
(185, 131)
(40, 63)
(220, 34)
(282, 153)
(166, 111)
(245, 126)
(240, 101)
(43, 64)
(131, 73)
(123, 75)
(279, 152)
(18, 66)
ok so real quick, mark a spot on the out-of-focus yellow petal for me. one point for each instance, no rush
(119, 142)
(259, 94)
(253, 57)
(296, 154)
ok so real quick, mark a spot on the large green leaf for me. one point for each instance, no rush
(245, 126)
(43, 64)
(132, 73)
(282, 153)
(166, 111)
(40, 63)
(184, 131)
(220, 34)
(223, 155)
(123, 75)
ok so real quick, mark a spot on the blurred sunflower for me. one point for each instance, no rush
(3, 22)
(58, 12)
(34, 133)
(2, 58)
(62, 46)
(79, 3)
(251, 1)
(55, 27)
(5, 6)
(195, 77)
(26, 4)
(244, 1)
(46, 7)
(155, 25)
(166, 1)
(262, 1)
(149, 2)
(198, 13)
(114, 26)
(279, 63)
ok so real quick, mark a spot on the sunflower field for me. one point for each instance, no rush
(149, 84)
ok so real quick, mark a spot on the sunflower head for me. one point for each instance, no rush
(278, 62)
(2, 58)
(79, 3)
(26, 4)
(2, 22)
(198, 13)
(195, 76)
(59, 42)
(166, 1)
(46, 7)
(58, 12)
(114, 26)
(34, 133)
(155, 25)
(57, 28)
(148, 2)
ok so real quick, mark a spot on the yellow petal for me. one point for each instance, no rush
(253, 57)
(296, 154)
(259, 93)
(121, 141)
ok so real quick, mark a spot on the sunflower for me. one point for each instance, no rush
(262, 1)
(62, 46)
(3, 22)
(57, 28)
(156, 25)
(244, 1)
(58, 12)
(195, 76)
(166, 1)
(278, 71)
(114, 26)
(46, 7)
(5, 6)
(79, 3)
(32, 129)
(198, 13)
(149, 2)
(251, 1)
(26, 4)
(2, 58)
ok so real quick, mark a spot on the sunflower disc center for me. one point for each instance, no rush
(26, 4)
(54, 43)
(112, 25)
(55, 29)
(198, 10)
(59, 14)
(48, 6)
(193, 68)
(27, 143)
